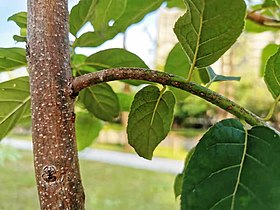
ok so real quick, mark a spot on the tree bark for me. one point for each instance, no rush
(53, 119)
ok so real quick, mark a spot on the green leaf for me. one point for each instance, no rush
(221, 78)
(272, 74)
(134, 12)
(14, 102)
(18, 38)
(267, 52)
(107, 11)
(252, 27)
(177, 63)
(78, 59)
(87, 129)
(177, 187)
(277, 2)
(101, 101)
(269, 3)
(241, 167)
(125, 101)
(26, 116)
(80, 14)
(115, 57)
(209, 28)
(176, 3)
(23, 32)
(208, 75)
(78, 64)
(99, 13)
(12, 58)
(178, 183)
(20, 19)
(149, 120)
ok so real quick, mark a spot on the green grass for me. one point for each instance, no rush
(160, 151)
(106, 186)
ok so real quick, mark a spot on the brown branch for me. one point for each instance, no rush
(164, 78)
(262, 20)
(53, 120)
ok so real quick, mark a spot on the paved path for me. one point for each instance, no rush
(117, 158)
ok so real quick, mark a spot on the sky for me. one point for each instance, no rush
(140, 38)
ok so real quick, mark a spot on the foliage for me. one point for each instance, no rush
(146, 131)
(251, 152)
(229, 155)
(15, 103)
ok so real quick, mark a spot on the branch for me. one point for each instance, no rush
(263, 20)
(163, 78)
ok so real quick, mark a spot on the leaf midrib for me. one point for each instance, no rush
(145, 10)
(106, 11)
(153, 115)
(198, 36)
(15, 109)
(276, 79)
(240, 170)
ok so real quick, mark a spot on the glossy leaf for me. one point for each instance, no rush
(101, 101)
(177, 63)
(272, 74)
(267, 52)
(20, 19)
(150, 119)
(209, 28)
(235, 169)
(134, 12)
(87, 129)
(12, 58)
(14, 102)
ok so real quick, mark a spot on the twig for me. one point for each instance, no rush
(263, 20)
(163, 78)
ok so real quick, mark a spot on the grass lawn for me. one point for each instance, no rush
(160, 151)
(106, 186)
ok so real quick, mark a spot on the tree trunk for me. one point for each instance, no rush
(53, 119)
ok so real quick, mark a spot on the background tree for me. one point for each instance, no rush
(227, 157)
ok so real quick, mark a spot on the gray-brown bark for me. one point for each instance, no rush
(53, 120)
(164, 78)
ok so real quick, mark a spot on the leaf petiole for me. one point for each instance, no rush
(272, 109)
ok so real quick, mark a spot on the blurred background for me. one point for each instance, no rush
(110, 180)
